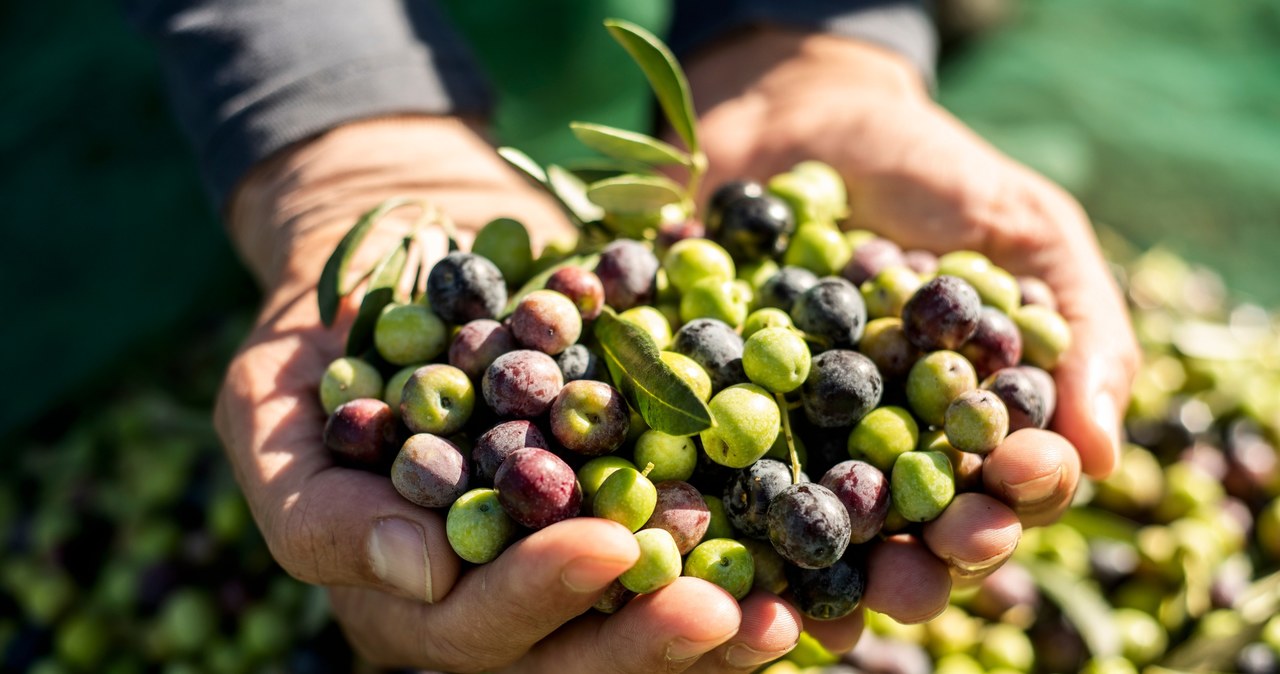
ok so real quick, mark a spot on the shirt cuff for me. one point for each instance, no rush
(902, 26)
(248, 78)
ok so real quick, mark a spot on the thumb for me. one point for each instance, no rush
(1095, 375)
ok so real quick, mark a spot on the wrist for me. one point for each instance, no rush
(292, 209)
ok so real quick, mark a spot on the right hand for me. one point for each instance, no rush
(400, 593)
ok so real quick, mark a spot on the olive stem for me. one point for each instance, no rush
(647, 469)
(784, 408)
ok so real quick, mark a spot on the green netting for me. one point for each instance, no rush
(1163, 116)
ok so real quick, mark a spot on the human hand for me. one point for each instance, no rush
(400, 593)
(771, 98)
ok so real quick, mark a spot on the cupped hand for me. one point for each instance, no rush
(770, 98)
(400, 593)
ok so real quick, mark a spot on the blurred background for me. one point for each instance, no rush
(124, 546)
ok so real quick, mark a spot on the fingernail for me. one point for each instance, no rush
(743, 656)
(681, 650)
(1108, 419)
(966, 568)
(398, 555)
(591, 574)
(1035, 490)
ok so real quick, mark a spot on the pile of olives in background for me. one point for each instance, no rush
(848, 389)
(126, 547)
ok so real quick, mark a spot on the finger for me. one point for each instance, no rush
(1097, 371)
(499, 610)
(840, 635)
(905, 581)
(1034, 472)
(974, 536)
(665, 631)
(769, 630)
(1095, 374)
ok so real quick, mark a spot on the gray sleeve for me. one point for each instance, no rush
(248, 77)
(901, 25)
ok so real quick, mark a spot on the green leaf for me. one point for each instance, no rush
(539, 280)
(334, 285)
(595, 169)
(1081, 603)
(635, 193)
(628, 145)
(651, 387)
(542, 179)
(524, 163)
(381, 292)
(572, 193)
(664, 73)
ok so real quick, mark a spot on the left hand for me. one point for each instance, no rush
(770, 98)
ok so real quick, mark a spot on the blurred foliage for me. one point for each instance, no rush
(109, 243)
(1159, 115)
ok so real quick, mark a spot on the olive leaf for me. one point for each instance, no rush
(553, 186)
(572, 192)
(650, 386)
(334, 285)
(635, 193)
(539, 280)
(1081, 603)
(524, 163)
(595, 169)
(665, 76)
(381, 292)
(628, 145)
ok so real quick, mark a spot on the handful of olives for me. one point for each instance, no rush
(513, 420)
(685, 376)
